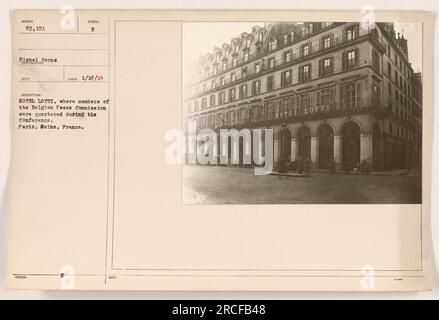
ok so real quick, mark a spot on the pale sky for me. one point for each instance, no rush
(201, 37)
(413, 34)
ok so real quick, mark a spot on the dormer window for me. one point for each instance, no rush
(307, 30)
(272, 45)
(285, 39)
(224, 66)
(260, 36)
(234, 62)
(247, 43)
(246, 57)
(351, 33)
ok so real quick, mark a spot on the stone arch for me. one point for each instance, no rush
(303, 142)
(325, 141)
(285, 138)
(296, 130)
(350, 132)
(344, 121)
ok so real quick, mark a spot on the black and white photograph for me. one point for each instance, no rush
(302, 113)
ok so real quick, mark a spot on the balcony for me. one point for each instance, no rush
(264, 114)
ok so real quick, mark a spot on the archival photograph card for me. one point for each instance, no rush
(220, 150)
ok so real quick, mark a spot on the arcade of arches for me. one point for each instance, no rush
(346, 150)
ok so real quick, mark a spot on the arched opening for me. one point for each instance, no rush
(304, 143)
(325, 135)
(378, 159)
(350, 133)
(285, 144)
(241, 151)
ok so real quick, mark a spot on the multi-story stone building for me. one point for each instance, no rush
(330, 91)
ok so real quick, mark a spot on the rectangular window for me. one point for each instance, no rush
(307, 30)
(221, 97)
(304, 101)
(203, 103)
(376, 94)
(305, 49)
(285, 39)
(272, 45)
(234, 62)
(350, 59)
(350, 95)
(233, 77)
(256, 86)
(305, 73)
(376, 61)
(389, 69)
(287, 56)
(325, 97)
(327, 42)
(286, 78)
(246, 57)
(271, 63)
(351, 33)
(270, 83)
(243, 92)
(232, 93)
(257, 68)
(326, 66)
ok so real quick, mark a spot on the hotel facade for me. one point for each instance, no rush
(332, 92)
